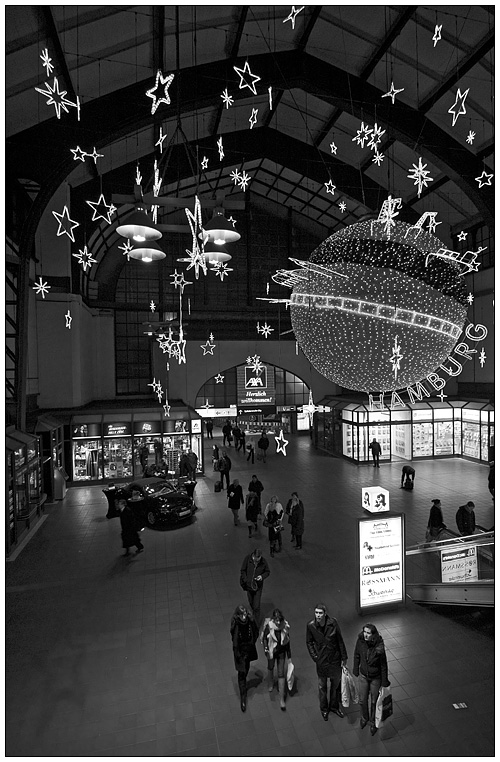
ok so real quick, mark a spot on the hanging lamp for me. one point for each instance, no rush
(148, 251)
(216, 253)
(219, 230)
(139, 227)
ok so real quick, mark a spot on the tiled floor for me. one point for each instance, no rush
(114, 656)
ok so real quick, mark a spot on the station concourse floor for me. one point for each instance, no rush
(119, 656)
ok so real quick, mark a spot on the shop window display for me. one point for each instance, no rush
(457, 437)
(401, 441)
(443, 438)
(87, 459)
(470, 439)
(117, 458)
(422, 440)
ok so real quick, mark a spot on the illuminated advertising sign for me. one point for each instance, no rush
(375, 499)
(256, 388)
(381, 557)
(459, 565)
(116, 429)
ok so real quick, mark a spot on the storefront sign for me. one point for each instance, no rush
(459, 565)
(381, 560)
(375, 499)
(116, 429)
(148, 428)
(196, 426)
(255, 388)
(84, 430)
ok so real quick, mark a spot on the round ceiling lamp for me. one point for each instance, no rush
(214, 253)
(147, 252)
(219, 230)
(139, 227)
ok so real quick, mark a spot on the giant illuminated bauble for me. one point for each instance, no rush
(373, 313)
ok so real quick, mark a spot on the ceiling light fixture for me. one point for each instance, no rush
(139, 227)
(216, 253)
(219, 230)
(149, 251)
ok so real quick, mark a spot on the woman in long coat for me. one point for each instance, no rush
(244, 633)
(297, 520)
(252, 510)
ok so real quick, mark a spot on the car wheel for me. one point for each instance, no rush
(151, 518)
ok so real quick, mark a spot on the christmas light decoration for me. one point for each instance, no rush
(166, 409)
(232, 221)
(221, 270)
(342, 206)
(253, 117)
(46, 61)
(310, 408)
(235, 176)
(245, 179)
(196, 257)
(152, 306)
(462, 236)
(219, 379)
(484, 179)
(376, 136)
(281, 443)
(432, 224)
(165, 82)
(437, 34)
(207, 405)
(468, 260)
(68, 319)
(293, 15)
(378, 158)
(265, 330)
(245, 72)
(66, 225)
(156, 385)
(221, 148)
(396, 357)
(392, 93)
(441, 395)
(458, 107)
(362, 135)
(204, 162)
(126, 248)
(227, 99)
(482, 357)
(101, 210)
(333, 147)
(470, 298)
(78, 154)
(470, 137)
(160, 140)
(85, 258)
(41, 288)
(270, 94)
(138, 176)
(94, 155)
(393, 280)
(255, 364)
(330, 187)
(179, 281)
(419, 174)
(58, 99)
(209, 346)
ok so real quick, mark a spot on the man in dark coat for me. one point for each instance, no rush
(224, 469)
(209, 426)
(296, 519)
(257, 487)
(263, 445)
(466, 519)
(129, 524)
(376, 452)
(327, 649)
(226, 434)
(235, 500)
(244, 633)
(254, 570)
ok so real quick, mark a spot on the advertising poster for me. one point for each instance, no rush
(381, 560)
(459, 565)
(256, 389)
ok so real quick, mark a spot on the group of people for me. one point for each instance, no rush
(325, 645)
(465, 518)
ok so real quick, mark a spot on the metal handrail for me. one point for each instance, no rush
(485, 538)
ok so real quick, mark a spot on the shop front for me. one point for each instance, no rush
(25, 496)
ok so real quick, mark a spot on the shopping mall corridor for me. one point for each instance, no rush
(109, 655)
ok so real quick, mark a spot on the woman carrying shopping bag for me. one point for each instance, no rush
(275, 637)
(370, 663)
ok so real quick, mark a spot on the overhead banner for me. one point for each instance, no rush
(256, 388)
(381, 556)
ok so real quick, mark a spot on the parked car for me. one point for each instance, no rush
(157, 503)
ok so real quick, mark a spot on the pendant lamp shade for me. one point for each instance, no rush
(147, 252)
(139, 228)
(215, 253)
(219, 230)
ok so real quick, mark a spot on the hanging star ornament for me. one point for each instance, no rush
(437, 34)
(207, 405)
(196, 255)
(208, 347)
(293, 15)
(396, 357)
(470, 298)
(152, 306)
(310, 408)
(265, 330)
(126, 248)
(66, 225)
(57, 98)
(392, 93)
(235, 176)
(255, 364)
(156, 385)
(342, 206)
(166, 409)
(270, 94)
(252, 78)
(165, 82)
(204, 163)
(484, 179)
(470, 137)
(419, 174)
(458, 107)
(253, 118)
(362, 135)
(94, 155)
(281, 443)
(160, 140)
(46, 61)
(227, 99)
(462, 236)
(219, 379)
(376, 136)
(179, 281)
(330, 187)
(78, 154)
(221, 148)
(85, 258)
(244, 180)
(482, 357)
(41, 288)
(101, 210)
(68, 319)
(378, 158)
(232, 221)
(221, 270)
(333, 147)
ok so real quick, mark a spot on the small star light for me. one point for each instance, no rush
(204, 162)
(293, 15)
(180, 281)
(46, 61)
(159, 392)
(396, 357)
(166, 409)
(333, 147)
(376, 136)
(342, 206)
(437, 34)
(462, 236)
(56, 98)
(165, 81)
(362, 135)
(94, 155)
(419, 174)
(484, 179)
(78, 154)
(41, 288)
(470, 137)
(68, 319)
(126, 248)
(482, 357)
(461, 108)
(330, 187)
(470, 298)
(152, 306)
(442, 395)
(265, 330)
(85, 258)
(281, 443)
(221, 270)
(232, 221)
(207, 405)
(253, 117)
(378, 158)
(209, 346)
(255, 364)
(138, 176)
(227, 99)
(160, 140)
(219, 379)
(66, 224)
(245, 179)
(243, 82)
(235, 176)
(392, 93)
(221, 148)
(156, 385)
(101, 210)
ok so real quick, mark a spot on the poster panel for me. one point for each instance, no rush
(381, 556)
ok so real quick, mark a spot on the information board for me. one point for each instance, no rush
(381, 556)
(459, 565)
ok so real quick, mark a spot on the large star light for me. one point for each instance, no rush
(396, 357)
(235, 176)
(330, 187)
(209, 346)
(265, 330)
(78, 154)
(376, 136)
(101, 210)
(362, 135)
(392, 93)
(470, 298)
(166, 409)
(293, 15)
(255, 364)
(470, 137)
(85, 258)
(482, 357)
(41, 288)
(244, 180)
(219, 379)
(333, 147)
(458, 107)
(57, 98)
(152, 306)
(419, 173)
(207, 405)
(310, 408)
(221, 270)
(204, 163)
(281, 443)
(244, 74)
(378, 158)
(165, 82)
(66, 225)
(68, 319)
(342, 206)
(462, 235)
(484, 179)
(196, 255)
(94, 155)
(156, 385)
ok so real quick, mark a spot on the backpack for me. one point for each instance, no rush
(408, 483)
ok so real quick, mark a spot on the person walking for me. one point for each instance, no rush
(143, 457)
(192, 464)
(244, 633)
(263, 445)
(408, 473)
(327, 649)
(226, 434)
(224, 468)
(376, 452)
(254, 570)
(275, 637)
(251, 451)
(236, 433)
(235, 499)
(296, 520)
(370, 664)
(129, 526)
(252, 510)
(158, 448)
(256, 486)
(209, 426)
(435, 523)
(273, 515)
(466, 519)
(241, 441)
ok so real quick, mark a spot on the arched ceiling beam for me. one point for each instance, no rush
(401, 21)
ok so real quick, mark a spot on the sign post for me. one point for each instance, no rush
(381, 561)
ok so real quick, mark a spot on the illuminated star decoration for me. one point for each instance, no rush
(482, 357)
(204, 162)
(310, 408)
(378, 158)
(160, 140)
(265, 330)
(221, 270)
(196, 255)
(235, 176)
(470, 137)
(253, 118)
(270, 93)
(209, 346)
(293, 15)
(156, 385)
(138, 176)
(57, 98)
(342, 206)
(362, 135)
(432, 224)
(419, 174)
(207, 405)
(333, 147)
(46, 61)
(484, 179)
(166, 409)
(227, 99)
(41, 288)
(152, 306)
(219, 379)
(221, 148)
(437, 34)
(462, 236)
(78, 154)
(68, 319)
(180, 281)
(85, 258)
(66, 225)
(244, 180)
(232, 221)
(396, 357)
(460, 97)
(281, 443)
(165, 81)
(101, 210)
(243, 82)
(94, 155)
(126, 248)
(442, 395)
(392, 93)
(255, 364)
(470, 298)
(388, 214)
(156, 190)
(376, 136)
(330, 187)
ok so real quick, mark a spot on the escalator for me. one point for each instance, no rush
(452, 570)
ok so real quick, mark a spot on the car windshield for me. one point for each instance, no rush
(159, 488)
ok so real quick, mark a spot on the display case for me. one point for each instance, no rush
(471, 439)
(86, 451)
(347, 444)
(443, 438)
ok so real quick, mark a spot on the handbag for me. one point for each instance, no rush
(290, 674)
(383, 707)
